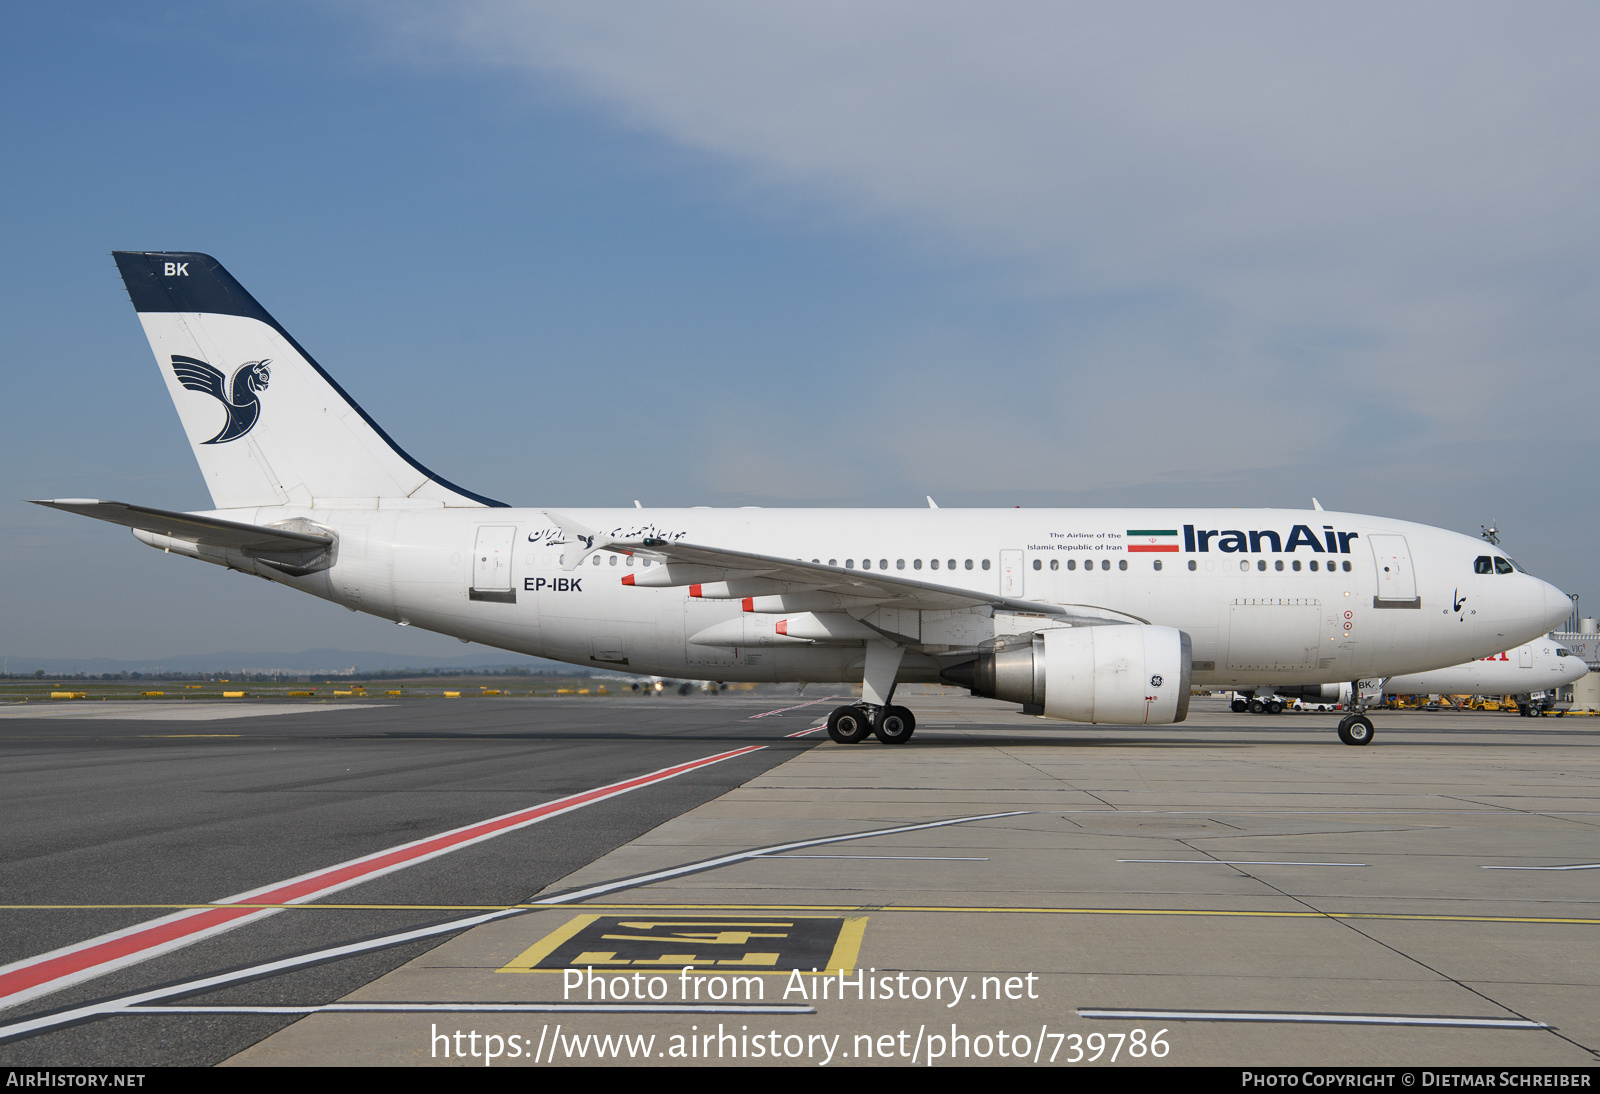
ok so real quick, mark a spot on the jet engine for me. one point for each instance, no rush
(1122, 675)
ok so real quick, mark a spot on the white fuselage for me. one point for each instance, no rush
(1541, 665)
(1386, 597)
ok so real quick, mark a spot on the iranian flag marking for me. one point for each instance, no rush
(1152, 539)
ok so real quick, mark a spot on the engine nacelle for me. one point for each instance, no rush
(1312, 693)
(1121, 675)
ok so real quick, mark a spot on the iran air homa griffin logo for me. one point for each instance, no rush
(243, 408)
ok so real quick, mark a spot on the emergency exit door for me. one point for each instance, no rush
(1011, 573)
(491, 565)
(1397, 581)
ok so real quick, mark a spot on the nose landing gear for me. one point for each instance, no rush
(1356, 729)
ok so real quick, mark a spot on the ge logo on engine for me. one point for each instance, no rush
(1155, 681)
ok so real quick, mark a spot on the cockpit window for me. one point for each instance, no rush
(1518, 565)
(1501, 566)
(1483, 564)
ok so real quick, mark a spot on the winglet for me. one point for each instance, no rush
(587, 540)
(1317, 505)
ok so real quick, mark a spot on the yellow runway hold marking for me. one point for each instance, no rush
(778, 909)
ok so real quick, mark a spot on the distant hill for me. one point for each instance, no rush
(315, 662)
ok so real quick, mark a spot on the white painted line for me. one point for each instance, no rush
(48, 972)
(112, 1006)
(895, 858)
(797, 706)
(1330, 1019)
(1235, 862)
(1583, 866)
(759, 852)
(487, 1008)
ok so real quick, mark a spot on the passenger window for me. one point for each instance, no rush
(1278, 564)
(647, 563)
(1122, 564)
(630, 560)
(1244, 564)
(1055, 564)
(833, 562)
(1072, 564)
(934, 563)
(899, 564)
(1158, 564)
(1501, 566)
(1191, 564)
(1105, 564)
(1261, 564)
(849, 564)
(969, 564)
(1297, 565)
(1313, 565)
(917, 564)
(597, 560)
(985, 564)
(883, 564)
(1037, 564)
(1483, 564)
(1346, 567)
(951, 565)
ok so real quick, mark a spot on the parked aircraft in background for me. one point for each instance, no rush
(1098, 615)
(1538, 666)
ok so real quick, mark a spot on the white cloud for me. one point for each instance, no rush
(1363, 206)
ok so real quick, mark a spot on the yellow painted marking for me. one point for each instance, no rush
(875, 909)
(528, 958)
(848, 947)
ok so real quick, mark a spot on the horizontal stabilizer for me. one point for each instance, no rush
(207, 531)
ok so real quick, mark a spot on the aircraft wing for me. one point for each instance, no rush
(208, 531)
(711, 564)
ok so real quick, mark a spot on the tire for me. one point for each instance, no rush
(1257, 706)
(1275, 706)
(848, 725)
(894, 726)
(1240, 706)
(1356, 730)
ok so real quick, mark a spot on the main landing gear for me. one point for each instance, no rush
(892, 725)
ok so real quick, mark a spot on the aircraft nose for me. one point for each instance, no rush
(1557, 606)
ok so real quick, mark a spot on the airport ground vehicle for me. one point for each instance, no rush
(1101, 615)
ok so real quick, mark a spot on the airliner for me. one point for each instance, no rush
(1088, 615)
(1539, 666)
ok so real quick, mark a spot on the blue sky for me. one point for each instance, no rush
(852, 254)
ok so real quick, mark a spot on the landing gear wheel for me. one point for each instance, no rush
(895, 725)
(1356, 730)
(847, 725)
(1240, 706)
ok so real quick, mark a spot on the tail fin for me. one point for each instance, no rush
(268, 425)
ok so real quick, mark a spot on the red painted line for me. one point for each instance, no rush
(1141, 547)
(806, 732)
(47, 972)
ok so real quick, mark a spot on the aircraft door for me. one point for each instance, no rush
(1525, 655)
(491, 565)
(1011, 573)
(1397, 581)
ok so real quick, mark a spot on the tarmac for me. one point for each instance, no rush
(1236, 890)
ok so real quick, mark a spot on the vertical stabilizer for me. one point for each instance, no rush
(267, 424)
